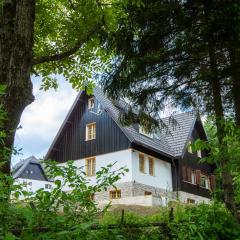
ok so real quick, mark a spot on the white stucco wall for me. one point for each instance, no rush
(120, 158)
(35, 184)
(162, 172)
(31, 185)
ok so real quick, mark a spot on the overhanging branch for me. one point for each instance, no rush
(67, 53)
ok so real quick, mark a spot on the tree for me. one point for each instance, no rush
(46, 38)
(178, 50)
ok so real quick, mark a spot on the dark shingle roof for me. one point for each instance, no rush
(21, 166)
(180, 130)
(171, 142)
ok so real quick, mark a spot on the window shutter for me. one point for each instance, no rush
(198, 176)
(184, 173)
(189, 174)
(212, 182)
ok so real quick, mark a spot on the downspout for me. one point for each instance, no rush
(176, 179)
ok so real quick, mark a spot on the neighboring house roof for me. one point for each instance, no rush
(19, 168)
(171, 142)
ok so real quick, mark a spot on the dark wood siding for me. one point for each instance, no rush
(71, 143)
(33, 171)
(192, 161)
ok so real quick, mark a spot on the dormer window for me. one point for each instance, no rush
(91, 103)
(143, 131)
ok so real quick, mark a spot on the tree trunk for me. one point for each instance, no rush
(227, 182)
(16, 44)
(235, 73)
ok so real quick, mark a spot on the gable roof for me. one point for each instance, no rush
(171, 143)
(19, 168)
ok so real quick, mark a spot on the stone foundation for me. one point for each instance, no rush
(183, 197)
(133, 193)
(133, 189)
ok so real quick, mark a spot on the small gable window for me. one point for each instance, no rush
(90, 166)
(90, 131)
(91, 103)
(141, 163)
(115, 194)
(199, 153)
(151, 166)
(189, 147)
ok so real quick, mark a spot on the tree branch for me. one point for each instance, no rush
(67, 53)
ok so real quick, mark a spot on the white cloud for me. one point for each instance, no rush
(41, 120)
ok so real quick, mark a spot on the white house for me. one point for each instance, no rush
(31, 172)
(161, 165)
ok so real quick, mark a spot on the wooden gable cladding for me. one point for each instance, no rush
(190, 168)
(71, 143)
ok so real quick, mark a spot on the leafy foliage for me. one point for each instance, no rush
(228, 148)
(57, 213)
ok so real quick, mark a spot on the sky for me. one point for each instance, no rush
(41, 120)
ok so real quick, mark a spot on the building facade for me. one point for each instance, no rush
(30, 172)
(162, 167)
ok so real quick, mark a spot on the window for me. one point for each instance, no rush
(189, 175)
(27, 172)
(193, 177)
(31, 172)
(90, 103)
(204, 181)
(151, 165)
(143, 131)
(199, 153)
(189, 147)
(115, 194)
(147, 193)
(91, 131)
(48, 186)
(90, 166)
(141, 163)
(190, 201)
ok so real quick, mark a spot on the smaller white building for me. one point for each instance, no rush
(31, 172)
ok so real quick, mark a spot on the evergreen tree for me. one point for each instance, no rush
(179, 50)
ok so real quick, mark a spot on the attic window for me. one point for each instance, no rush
(199, 153)
(143, 131)
(189, 147)
(91, 103)
(90, 131)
